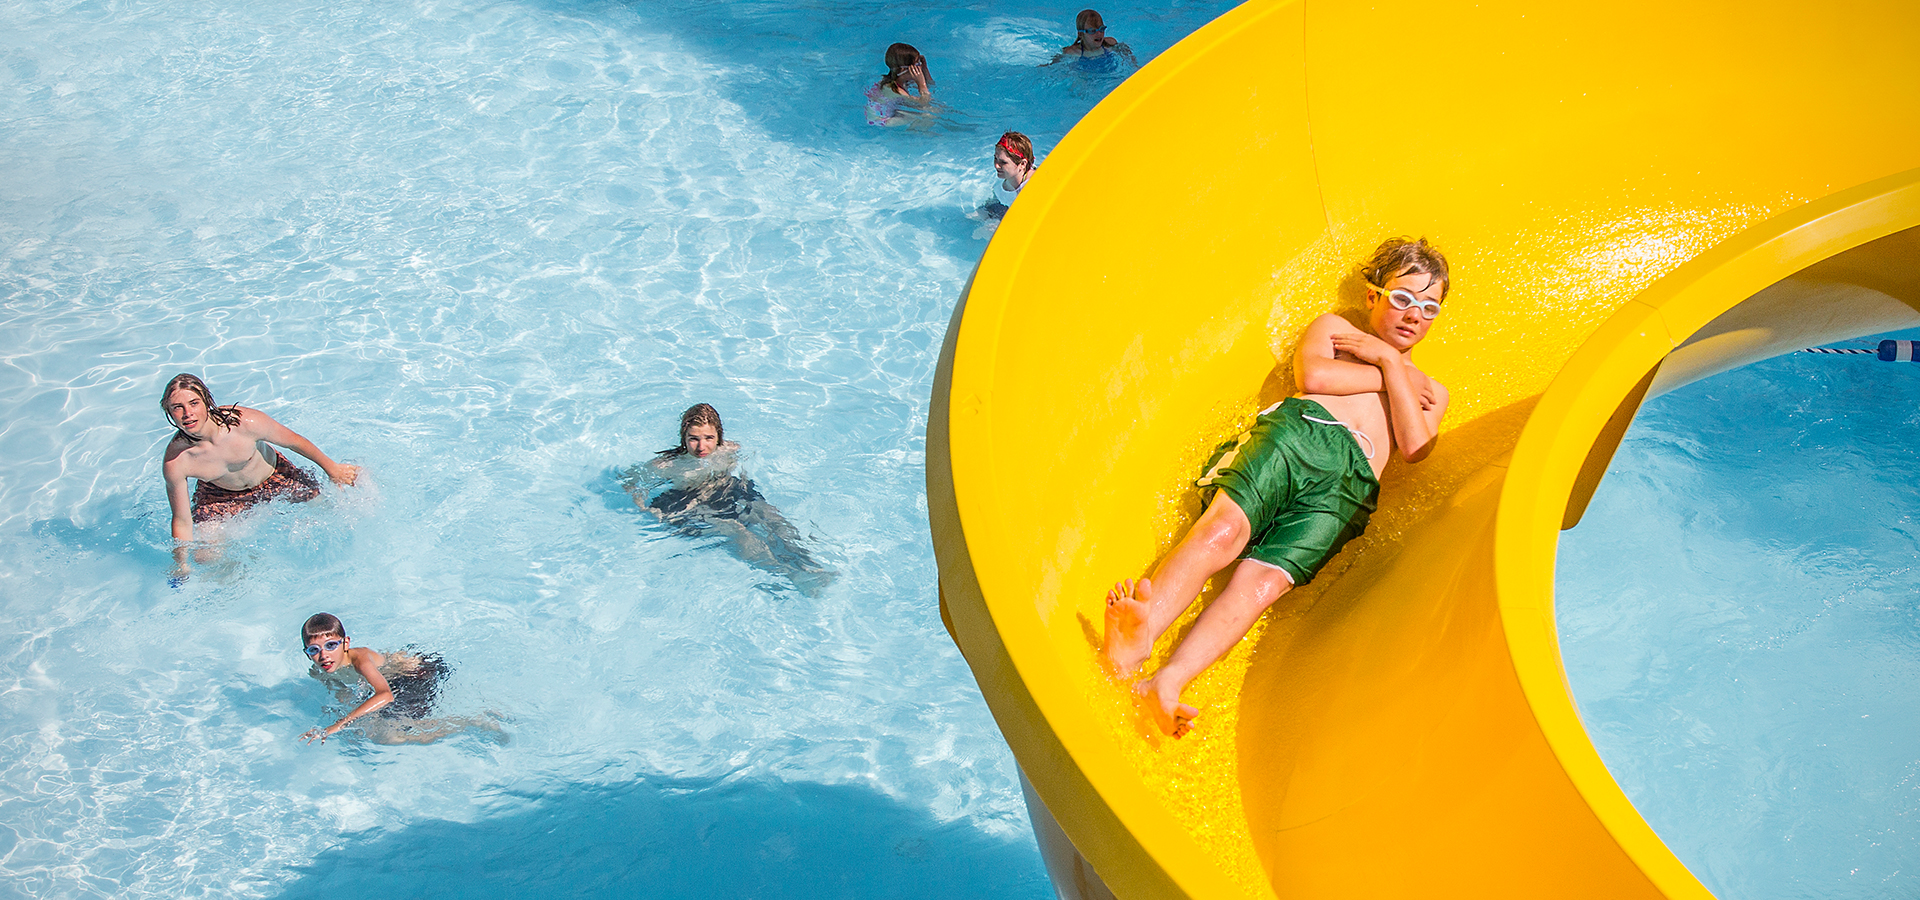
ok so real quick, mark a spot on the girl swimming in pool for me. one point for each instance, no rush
(889, 101)
(1012, 164)
(1091, 42)
(703, 496)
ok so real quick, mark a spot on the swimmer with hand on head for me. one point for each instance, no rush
(905, 93)
(404, 687)
(1285, 496)
(1091, 41)
(225, 449)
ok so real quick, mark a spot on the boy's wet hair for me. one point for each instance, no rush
(321, 625)
(901, 57)
(1405, 256)
(697, 414)
(1018, 146)
(225, 415)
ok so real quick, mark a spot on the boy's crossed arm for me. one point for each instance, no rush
(1415, 402)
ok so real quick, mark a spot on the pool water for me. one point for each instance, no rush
(489, 251)
(1739, 613)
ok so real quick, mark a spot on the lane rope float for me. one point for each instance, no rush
(1889, 351)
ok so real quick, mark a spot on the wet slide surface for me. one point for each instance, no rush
(1402, 725)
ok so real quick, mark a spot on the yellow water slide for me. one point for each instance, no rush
(1632, 195)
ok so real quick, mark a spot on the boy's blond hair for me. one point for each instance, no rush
(1405, 256)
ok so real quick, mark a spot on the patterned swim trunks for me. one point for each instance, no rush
(212, 503)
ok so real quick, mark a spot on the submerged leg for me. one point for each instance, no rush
(426, 731)
(1137, 612)
(785, 550)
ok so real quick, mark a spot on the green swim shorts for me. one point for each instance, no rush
(1305, 486)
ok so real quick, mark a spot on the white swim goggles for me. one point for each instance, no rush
(1401, 298)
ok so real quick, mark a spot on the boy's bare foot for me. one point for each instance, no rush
(1126, 645)
(1167, 713)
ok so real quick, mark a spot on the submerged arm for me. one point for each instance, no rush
(180, 502)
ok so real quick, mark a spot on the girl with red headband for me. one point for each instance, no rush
(1013, 163)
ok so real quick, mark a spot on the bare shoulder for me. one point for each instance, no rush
(364, 658)
(179, 445)
(251, 418)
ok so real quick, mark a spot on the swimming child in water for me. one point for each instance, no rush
(892, 100)
(1091, 42)
(703, 496)
(225, 449)
(404, 685)
(1013, 164)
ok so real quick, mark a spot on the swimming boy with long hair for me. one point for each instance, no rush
(703, 497)
(702, 434)
(221, 447)
(1289, 492)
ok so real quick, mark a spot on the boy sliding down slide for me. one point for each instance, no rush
(1288, 493)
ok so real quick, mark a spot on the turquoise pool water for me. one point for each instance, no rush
(1740, 619)
(488, 251)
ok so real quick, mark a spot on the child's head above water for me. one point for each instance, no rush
(325, 640)
(192, 385)
(1091, 28)
(900, 58)
(1013, 157)
(700, 432)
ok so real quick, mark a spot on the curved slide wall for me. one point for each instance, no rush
(1631, 196)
